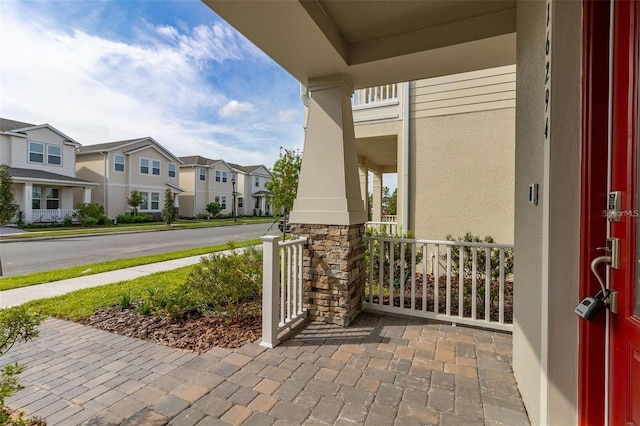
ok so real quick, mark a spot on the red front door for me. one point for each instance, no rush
(624, 326)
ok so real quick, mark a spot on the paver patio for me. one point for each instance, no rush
(382, 370)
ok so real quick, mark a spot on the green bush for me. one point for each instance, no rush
(16, 325)
(139, 218)
(399, 260)
(214, 209)
(218, 283)
(91, 214)
(481, 258)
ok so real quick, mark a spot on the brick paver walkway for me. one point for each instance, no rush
(383, 370)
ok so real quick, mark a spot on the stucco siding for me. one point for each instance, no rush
(462, 169)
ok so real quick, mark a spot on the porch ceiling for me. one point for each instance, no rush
(377, 42)
(379, 153)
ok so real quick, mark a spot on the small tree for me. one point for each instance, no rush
(213, 209)
(134, 201)
(169, 209)
(8, 206)
(283, 184)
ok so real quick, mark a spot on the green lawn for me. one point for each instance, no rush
(82, 303)
(7, 283)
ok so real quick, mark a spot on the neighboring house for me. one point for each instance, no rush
(124, 166)
(450, 130)
(42, 163)
(206, 181)
(252, 184)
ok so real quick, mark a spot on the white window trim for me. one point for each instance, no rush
(33, 189)
(148, 166)
(46, 199)
(151, 201)
(159, 168)
(202, 176)
(175, 170)
(224, 177)
(54, 164)
(44, 152)
(115, 162)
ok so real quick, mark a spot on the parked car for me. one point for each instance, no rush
(281, 223)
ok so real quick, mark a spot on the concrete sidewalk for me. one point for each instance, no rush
(22, 295)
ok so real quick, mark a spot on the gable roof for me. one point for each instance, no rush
(34, 175)
(112, 146)
(13, 126)
(197, 160)
(249, 169)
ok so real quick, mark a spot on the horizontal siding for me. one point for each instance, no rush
(467, 92)
(5, 150)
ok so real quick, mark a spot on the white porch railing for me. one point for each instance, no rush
(390, 218)
(282, 302)
(377, 94)
(384, 227)
(51, 215)
(452, 281)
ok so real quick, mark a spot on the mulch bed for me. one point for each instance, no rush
(194, 334)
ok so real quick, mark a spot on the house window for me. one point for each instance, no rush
(36, 152)
(257, 181)
(144, 204)
(155, 201)
(224, 177)
(234, 176)
(203, 173)
(240, 202)
(217, 175)
(53, 198)
(172, 170)
(54, 154)
(118, 163)
(36, 197)
(144, 166)
(222, 200)
(155, 167)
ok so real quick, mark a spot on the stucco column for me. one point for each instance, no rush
(329, 211)
(376, 215)
(26, 202)
(364, 187)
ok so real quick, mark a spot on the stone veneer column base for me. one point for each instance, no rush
(334, 271)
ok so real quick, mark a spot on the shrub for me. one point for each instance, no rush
(218, 283)
(399, 260)
(140, 218)
(67, 221)
(91, 214)
(16, 325)
(481, 258)
(169, 209)
(214, 209)
(20, 217)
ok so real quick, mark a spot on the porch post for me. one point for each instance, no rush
(377, 197)
(364, 186)
(26, 195)
(86, 195)
(329, 210)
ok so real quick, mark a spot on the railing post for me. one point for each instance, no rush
(270, 290)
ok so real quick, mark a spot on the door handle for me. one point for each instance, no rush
(613, 260)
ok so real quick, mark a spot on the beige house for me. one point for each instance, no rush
(206, 181)
(42, 162)
(576, 168)
(123, 166)
(442, 137)
(252, 188)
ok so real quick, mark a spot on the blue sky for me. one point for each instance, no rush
(103, 71)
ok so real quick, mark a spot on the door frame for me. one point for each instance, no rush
(594, 178)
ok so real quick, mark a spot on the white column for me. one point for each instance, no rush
(377, 197)
(329, 185)
(270, 293)
(86, 194)
(26, 202)
(364, 186)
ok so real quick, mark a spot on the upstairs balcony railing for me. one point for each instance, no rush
(375, 95)
(452, 281)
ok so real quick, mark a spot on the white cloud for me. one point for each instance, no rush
(235, 109)
(98, 89)
(288, 116)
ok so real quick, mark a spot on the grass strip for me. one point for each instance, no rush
(8, 283)
(82, 303)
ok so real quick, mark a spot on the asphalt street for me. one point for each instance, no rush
(25, 256)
